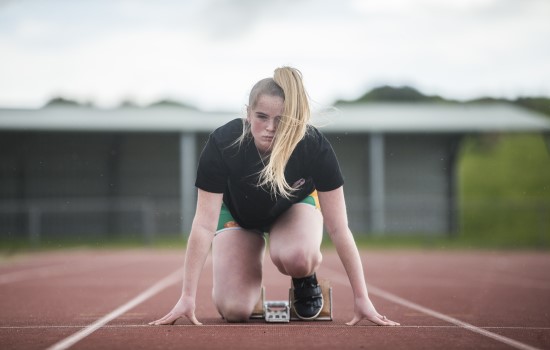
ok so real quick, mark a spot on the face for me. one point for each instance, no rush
(264, 119)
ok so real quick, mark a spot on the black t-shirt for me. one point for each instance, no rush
(233, 169)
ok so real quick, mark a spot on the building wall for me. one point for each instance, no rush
(419, 179)
(89, 183)
(353, 153)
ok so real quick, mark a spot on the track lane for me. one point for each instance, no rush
(96, 293)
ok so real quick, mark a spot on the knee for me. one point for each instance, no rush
(234, 310)
(298, 262)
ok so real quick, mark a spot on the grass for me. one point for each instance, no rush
(363, 241)
(504, 190)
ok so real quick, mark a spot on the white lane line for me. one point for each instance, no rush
(154, 289)
(343, 280)
(248, 325)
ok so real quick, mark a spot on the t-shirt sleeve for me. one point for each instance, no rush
(212, 172)
(325, 171)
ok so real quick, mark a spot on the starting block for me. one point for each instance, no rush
(282, 311)
(277, 311)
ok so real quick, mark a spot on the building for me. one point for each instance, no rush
(68, 170)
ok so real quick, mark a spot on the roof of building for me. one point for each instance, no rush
(375, 117)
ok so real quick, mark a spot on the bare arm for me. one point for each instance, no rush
(198, 246)
(333, 207)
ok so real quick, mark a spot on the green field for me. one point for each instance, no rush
(504, 190)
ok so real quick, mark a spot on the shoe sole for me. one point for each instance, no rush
(312, 317)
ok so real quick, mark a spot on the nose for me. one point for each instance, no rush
(271, 124)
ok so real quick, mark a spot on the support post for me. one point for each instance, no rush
(188, 165)
(35, 218)
(377, 183)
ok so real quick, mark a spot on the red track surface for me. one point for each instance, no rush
(505, 297)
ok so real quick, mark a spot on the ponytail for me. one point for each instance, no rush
(290, 131)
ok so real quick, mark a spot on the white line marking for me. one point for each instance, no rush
(341, 279)
(83, 333)
(142, 325)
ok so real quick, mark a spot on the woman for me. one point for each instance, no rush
(269, 173)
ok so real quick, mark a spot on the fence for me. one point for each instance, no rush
(103, 218)
(39, 220)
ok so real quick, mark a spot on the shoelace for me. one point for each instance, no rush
(313, 300)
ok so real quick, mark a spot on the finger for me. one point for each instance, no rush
(163, 319)
(194, 320)
(393, 323)
(168, 319)
(384, 321)
(157, 322)
(353, 322)
(389, 322)
(171, 320)
(380, 321)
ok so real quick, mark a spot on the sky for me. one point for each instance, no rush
(209, 53)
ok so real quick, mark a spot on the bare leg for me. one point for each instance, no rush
(295, 241)
(237, 257)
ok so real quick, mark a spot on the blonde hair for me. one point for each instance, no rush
(287, 83)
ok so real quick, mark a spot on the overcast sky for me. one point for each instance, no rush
(209, 53)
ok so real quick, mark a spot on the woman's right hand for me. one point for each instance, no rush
(185, 307)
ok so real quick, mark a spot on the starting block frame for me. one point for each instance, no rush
(281, 311)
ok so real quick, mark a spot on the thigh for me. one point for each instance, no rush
(237, 259)
(299, 228)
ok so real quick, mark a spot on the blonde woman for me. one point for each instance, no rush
(269, 175)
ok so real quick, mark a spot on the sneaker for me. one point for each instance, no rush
(308, 298)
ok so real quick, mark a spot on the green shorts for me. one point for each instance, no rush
(227, 222)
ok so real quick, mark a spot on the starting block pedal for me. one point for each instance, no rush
(282, 311)
(277, 311)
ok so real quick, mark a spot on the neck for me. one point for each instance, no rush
(263, 155)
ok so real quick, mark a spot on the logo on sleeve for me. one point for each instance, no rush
(298, 183)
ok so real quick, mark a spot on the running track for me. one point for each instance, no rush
(103, 299)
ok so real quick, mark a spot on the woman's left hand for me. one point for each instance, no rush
(364, 309)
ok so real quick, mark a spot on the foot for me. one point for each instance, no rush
(308, 298)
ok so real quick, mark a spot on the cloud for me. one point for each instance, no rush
(416, 6)
(210, 52)
(223, 19)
